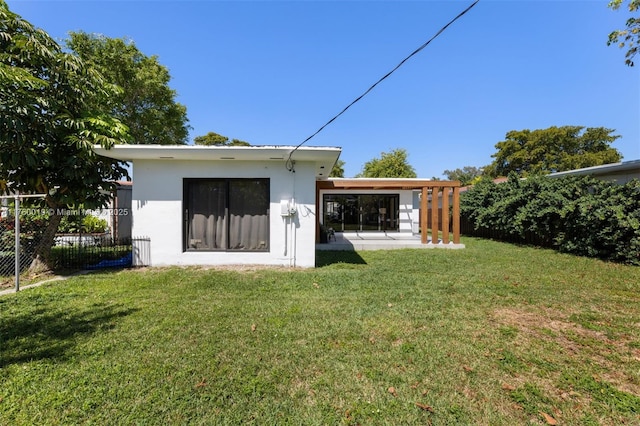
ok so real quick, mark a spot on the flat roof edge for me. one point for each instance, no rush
(604, 168)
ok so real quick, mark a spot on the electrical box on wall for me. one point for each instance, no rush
(287, 208)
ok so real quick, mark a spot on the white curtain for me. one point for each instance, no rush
(239, 207)
(248, 232)
(249, 214)
(207, 224)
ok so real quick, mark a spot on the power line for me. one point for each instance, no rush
(290, 164)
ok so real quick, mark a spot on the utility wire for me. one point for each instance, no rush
(289, 162)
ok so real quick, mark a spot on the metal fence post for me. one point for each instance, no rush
(5, 253)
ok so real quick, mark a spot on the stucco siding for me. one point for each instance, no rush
(158, 202)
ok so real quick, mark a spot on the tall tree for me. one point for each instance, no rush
(555, 149)
(629, 37)
(49, 121)
(338, 169)
(466, 175)
(392, 164)
(146, 103)
(215, 139)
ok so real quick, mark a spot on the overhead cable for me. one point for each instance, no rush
(289, 162)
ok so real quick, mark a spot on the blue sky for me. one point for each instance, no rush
(273, 72)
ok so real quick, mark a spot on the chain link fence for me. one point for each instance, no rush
(18, 239)
(72, 250)
(29, 240)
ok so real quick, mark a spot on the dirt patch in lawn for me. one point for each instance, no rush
(25, 280)
(591, 346)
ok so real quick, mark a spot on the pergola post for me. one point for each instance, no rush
(445, 215)
(456, 215)
(435, 193)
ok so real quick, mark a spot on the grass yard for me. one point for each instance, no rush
(495, 334)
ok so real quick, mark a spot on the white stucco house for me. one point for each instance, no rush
(221, 205)
(202, 205)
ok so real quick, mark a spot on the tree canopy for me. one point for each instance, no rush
(215, 139)
(50, 117)
(555, 149)
(630, 36)
(146, 103)
(338, 169)
(392, 164)
(466, 175)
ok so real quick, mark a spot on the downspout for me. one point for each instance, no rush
(293, 233)
(291, 243)
(286, 237)
(293, 211)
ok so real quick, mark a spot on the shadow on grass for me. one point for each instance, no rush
(328, 257)
(43, 334)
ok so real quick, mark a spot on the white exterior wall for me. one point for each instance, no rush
(158, 201)
(415, 218)
(407, 213)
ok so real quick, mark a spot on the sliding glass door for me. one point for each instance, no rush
(361, 212)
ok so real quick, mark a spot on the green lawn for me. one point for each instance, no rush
(494, 334)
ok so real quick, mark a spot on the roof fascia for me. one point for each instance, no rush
(382, 183)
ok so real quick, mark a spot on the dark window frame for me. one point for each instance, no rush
(352, 209)
(228, 182)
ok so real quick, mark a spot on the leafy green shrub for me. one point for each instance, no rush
(94, 224)
(32, 226)
(575, 214)
(74, 224)
(605, 223)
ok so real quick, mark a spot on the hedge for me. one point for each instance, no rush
(574, 214)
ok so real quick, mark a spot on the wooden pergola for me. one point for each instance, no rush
(430, 189)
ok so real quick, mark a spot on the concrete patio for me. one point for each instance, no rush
(357, 241)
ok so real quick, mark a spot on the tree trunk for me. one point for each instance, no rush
(41, 257)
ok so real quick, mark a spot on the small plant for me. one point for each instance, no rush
(93, 224)
(89, 224)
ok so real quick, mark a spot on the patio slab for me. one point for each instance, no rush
(358, 241)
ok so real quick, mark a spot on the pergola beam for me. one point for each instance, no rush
(384, 183)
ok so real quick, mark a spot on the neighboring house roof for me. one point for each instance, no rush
(625, 170)
(323, 157)
(383, 183)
